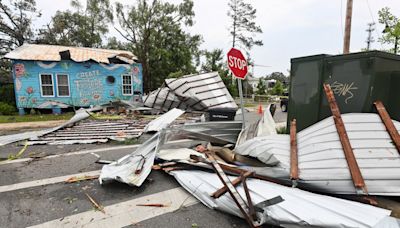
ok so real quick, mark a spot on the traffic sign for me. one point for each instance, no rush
(237, 63)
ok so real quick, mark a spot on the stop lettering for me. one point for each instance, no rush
(237, 63)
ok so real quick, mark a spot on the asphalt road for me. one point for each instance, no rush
(33, 191)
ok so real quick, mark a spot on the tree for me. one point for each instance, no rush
(261, 87)
(15, 29)
(277, 89)
(16, 23)
(391, 34)
(113, 43)
(156, 34)
(213, 60)
(243, 27)
(279, 76)
(81, 27)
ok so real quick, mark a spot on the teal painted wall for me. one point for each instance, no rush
(87, 82)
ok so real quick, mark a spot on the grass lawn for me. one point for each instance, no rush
(31, 118)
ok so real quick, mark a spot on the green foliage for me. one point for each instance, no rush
(16, 18)
(261, 87)
(278, 89)
(243, 29)
(156, 33)
(113, 43)
(7, 94)
(31, 118)
(391, 34)
(16, 23)
(177, 74)
(279, 76)
(281, 130)
(213, 60)
(81, 27)
(6, 109)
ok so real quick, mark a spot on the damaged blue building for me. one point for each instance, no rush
(56, 77)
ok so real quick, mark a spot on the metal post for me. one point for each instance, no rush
(241, 101)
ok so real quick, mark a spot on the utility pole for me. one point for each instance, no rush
(347, 30)
(370, 39)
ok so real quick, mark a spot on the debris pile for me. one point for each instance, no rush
(253, 173)
(266, 178)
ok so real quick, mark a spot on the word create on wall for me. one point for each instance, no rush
(89, 86)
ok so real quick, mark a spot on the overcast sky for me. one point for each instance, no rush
(291, 28)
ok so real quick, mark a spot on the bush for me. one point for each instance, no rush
(6, 109)
(7, 94)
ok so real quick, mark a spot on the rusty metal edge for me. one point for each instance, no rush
(355, 172)
(387, 121)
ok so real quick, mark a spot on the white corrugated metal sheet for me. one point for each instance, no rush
(40, 52)
(192, 92)
(322, 164)
(164, 120)
(133, 168)
(298, 209)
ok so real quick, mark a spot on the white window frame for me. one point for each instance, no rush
(69, 90)
(122, 87)
(52, 84)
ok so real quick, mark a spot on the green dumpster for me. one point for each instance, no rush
(357, 80)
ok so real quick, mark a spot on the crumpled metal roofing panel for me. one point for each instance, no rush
(42, 52)
(200, 92)
(298, 209)
(164, 120)
(322, 164)
(133, 168)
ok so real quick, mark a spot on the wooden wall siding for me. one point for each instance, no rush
(87, 81)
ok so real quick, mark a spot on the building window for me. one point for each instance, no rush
(46, 85)
(62, 85)
(126, 84)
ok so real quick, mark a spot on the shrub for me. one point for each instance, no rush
(6, 109)
(7, 94)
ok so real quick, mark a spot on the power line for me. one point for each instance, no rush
(373, 19)
(370, 39)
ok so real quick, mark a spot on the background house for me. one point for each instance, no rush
(55, 77)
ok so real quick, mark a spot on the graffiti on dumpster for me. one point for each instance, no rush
(343, 89)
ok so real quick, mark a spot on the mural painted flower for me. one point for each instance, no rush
(29, 90)
(85, 101)
(111, 93)
(19, 70)
(22, 99)
(135, 70)
(96, 96)
(34, 100)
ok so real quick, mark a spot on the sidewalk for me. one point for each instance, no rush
(28, 125)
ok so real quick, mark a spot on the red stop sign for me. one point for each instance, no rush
(237, 63)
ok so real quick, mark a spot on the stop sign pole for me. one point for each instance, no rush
(237, 63)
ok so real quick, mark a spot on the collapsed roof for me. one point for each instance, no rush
(40, 52)
(200, 92)
(321, 160)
